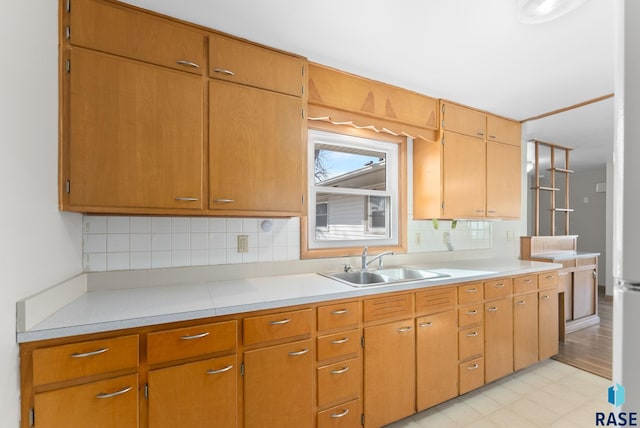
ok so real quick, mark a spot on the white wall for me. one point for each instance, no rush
(39, 246)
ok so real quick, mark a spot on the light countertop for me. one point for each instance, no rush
(113, 309)
(565, 255)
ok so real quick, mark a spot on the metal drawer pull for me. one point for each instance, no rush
(223, 201)
(222, 370)
(473, 312)
(280, 322)
(473, 367)
(342, 370)
(195, 336)
(339, 311)
(90, 354)
(340, 341)
(520, 302)
(300, 352)
(224, 71)
(548, 277)
(405, 329)
(481, 134)
(474, 334)
(114, 394)
(345, 412)
(187, 199)
(492, 211)
(545, 297)
(189, 63)
(492, 309)
(471, 290)
(528, 280)
(426, 324)
(493, 136)
(500, 285)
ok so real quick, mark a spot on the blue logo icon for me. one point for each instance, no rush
(616, 395)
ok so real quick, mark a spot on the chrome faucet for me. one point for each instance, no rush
(365, 263)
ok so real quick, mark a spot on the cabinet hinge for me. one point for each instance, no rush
(442, 108)
(362, 341)
(241, 369)
(362, 419)
(303, 113)
(68, 6)
(442, 123)
(32, 417)
(302, 199)
(67, 186)
(67, 32)
(443, 140)
(68, 66)
(146, 391)
(302, 89)
(442, 204)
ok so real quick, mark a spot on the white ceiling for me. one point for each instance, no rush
(473, 52)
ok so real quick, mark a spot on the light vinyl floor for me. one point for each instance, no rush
(549, 394)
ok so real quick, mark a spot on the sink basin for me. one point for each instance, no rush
(366, 278)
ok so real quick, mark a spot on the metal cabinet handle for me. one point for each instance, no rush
(189, 63)
(480, 133)
(499, 285)
(223, 201)
(195, 336)
(224, 71)
(426, 324)
(89, 354)
(339, 311)
(493, 136)
(473, 312)
(594, 274)
(186, 199)
(300, 352)
(473, 367)
(340, 371)
(545, 297)
(548, 277)
(528, 281)
(471, 290)
(405, 329)
(474, 334)
(492, 211)
(114, 394)
(222, 370)
(280, 322)
(345, 412)
(520, 302)
(492, 309)
(340, 341)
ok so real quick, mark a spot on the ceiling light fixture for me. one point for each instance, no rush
(539, 11)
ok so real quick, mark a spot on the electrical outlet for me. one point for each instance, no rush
(418, 238)
(510, 235)
(243, 243)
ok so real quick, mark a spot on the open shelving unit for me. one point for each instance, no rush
(554, 161)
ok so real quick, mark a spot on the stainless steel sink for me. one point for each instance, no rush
(366, 278)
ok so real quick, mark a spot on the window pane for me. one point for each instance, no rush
(352, 217)
(349, 167)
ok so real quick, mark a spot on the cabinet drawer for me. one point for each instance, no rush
(470, 343)
(469, 294)
(84, 359)
(388, 307)
(249, 64)
(346, 415)
(436, 300)
(586, 261)
(265, 328)
(338, 344)
(571, 263)
(114, 402)
(498, 289)
(548, 280)
(471, 375)
(340, 315)
(470, 315)
(339, 381)
(191, 341)
(503, 130)
(525, 284)
(107, 27)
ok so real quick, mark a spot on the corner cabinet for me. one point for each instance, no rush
(150, 130)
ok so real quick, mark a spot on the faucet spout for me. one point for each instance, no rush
(366, 262)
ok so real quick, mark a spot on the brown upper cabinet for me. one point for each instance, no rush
(136, 137)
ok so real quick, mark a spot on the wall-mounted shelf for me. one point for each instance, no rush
(554, 160)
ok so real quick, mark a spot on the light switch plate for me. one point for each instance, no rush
(243, 243)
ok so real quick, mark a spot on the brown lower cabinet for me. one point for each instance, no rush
(340, 364)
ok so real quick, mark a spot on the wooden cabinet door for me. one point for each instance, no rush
(548, 329)
(463, 120)
(584, 293)
(103, 404)
(436, 358)
(278, 386)
(199, 394)
(503, 180)
(389, 367)
(256, 151)
(464, 177)
(525, 330)
(498, 339)
(503, 130)
(135, 135)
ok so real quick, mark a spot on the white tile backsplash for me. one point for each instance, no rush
(120, 242)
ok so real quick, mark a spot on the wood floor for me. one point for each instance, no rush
(590, 349)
